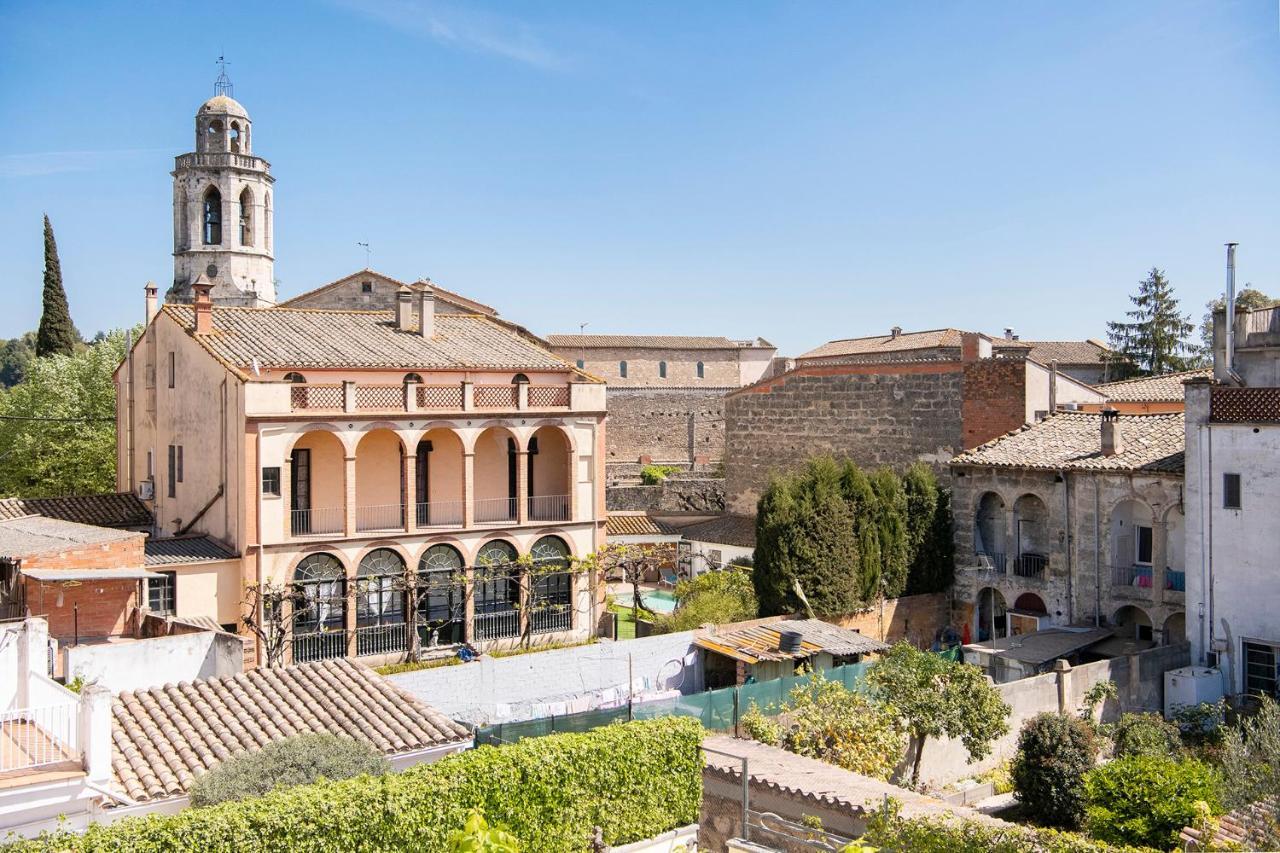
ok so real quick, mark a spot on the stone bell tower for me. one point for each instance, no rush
(222, 209)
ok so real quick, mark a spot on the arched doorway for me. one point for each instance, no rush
(320, 609)
(1132, 623)
(989, 532)
(990, 619)
(549, 475)
(1031, 534)
(379, 482)
(551, 600)
(317, 493)
(495, 476)
(441, 596)
(1175, 629)
(380, 593)
(497, 591)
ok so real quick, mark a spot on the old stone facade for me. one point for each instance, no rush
(369, 290)
(222, 211)
(667, 425)
(875, 414)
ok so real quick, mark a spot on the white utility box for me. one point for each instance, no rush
(1190, 685)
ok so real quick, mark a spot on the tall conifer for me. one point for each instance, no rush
(1154, 341)
(57, 334)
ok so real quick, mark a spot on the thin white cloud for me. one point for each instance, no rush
(41, 163)
(466, 29)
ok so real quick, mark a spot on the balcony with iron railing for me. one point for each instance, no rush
(1031, 566)
(549, 618)
(1131, 580)
(990, 562)
(498, 625)
(495, 510)
(385, 639)
(441, 513)
(549, 508)
(327, 521)
(319, 645)
(370, 519)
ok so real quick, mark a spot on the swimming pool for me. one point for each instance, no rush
(657, 600)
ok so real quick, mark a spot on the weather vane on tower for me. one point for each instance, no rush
(222, 86)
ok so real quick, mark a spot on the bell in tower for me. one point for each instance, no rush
(222, 208)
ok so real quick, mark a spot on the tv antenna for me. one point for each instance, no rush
(367, 254)
(222, 86)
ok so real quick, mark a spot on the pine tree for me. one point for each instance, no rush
(1154, 341)
(57, 334)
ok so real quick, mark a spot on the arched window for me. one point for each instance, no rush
(213, 136)
(413, 377)
(246, 217)
(266, 222)
(213, 217)
(519, 378)
(441, 596)
(702, 371)
(235, 136)
(551, 602)
(662, 370)
(297, 378)
(379, 600)
(319, 613)
(622, 369)
(497, 592)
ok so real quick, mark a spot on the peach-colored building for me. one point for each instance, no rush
(366, 456)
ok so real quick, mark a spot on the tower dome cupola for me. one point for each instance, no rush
(222, 126)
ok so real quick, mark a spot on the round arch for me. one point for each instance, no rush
(1133, 623)
(551, 593)
(496, 456)
(496, 591)
(1174, 629)
(440, 595)
(379, 479)
(320, 608)
(989, 615)
(317, 494)
(1031, 603)
(989, 529)
(380, 595)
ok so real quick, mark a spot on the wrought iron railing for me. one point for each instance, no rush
(380, 397)
(494, 396)
(1175, 580)
(549, 508)
(440, 397)
(548, 618)
(380, 517)
(440, 513)
(382, 639)
(991, 562)
(316, 397)
(319, 646)
(498, 625)
(489, 510)
(1131, 575)
(34, 737)
(1030, 565)
(326, 521)
(548, 396)
(447, 634)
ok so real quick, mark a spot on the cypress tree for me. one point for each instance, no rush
(57, 334)
(1154, 341)
(864, 507)
(891, 527)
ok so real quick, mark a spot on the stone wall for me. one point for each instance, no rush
(678, 493)
(720, 367)
(914, 618)
(668, 425)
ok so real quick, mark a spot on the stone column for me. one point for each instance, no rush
(1062, 669)
(522, 485)
(286, 494)
(409, 474)
(1010, 540)
(468, 490)
(349, 496)
(95, 732)
(349, 609)
(522, 395)
(1159, 560)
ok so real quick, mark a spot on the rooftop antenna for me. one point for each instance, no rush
(367, 254)
(222, 86)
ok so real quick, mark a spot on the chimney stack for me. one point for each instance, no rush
(427, 312)
(151, 300)
(895, 332)
(202, 287)
(1008, 334)
(1053, 386)
(1112, 439)
(404, 308)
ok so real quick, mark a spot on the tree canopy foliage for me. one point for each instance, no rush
(1250, 298)
(16, 355)
(847, 537)
(298, 760)
(57, 335)
(1154, 340)
(718, 598)
(57, 427)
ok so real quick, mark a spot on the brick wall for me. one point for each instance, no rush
(875, 414)
(994, 398)
(667, 425)
(104, 606)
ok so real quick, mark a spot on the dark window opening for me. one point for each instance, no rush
(1231, 491)
(173, 370)
(366, 287)
(1143, 555)
(296, 378)
(162, 593)
(662, 370)
(622, 369)
(702, 370)
(271, 481)
(213, 217)
(1260, 673)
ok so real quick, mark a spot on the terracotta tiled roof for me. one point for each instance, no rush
(904, 342)
(1255, 827)
(296, 337)
(739, 530)
(654, 342)
(114, 509)
(762, 642)
(634, 524)
(1074, 353)
(185, 549)
(164, 736)
(38, 534)
(1073, 440)
(1152, 389)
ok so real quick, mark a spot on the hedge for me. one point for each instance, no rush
(634, 780)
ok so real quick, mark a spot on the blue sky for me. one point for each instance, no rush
(801, 171)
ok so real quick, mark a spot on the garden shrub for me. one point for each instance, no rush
(634, 780)
(298, 760)
(1055, 752)
(718, 597)
(1250, 757)
(652, 475)
(1146, 734)
(1147, 799)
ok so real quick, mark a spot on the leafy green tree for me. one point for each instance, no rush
(1146, 799)
(15, 356)
(57, 334)
(1146, 734)
(936, 697)
(1250, 757)
(1249, 297)
(892, 528)
(1055, 752)
(929, 535)
(804, 535)
(477, 836)
(1154, 340)
(298, 760)
(57, 428)
(717, 598)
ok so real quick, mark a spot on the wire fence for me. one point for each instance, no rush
(718, 710)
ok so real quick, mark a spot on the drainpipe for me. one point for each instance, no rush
(1207, 578)
(1231, 317)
